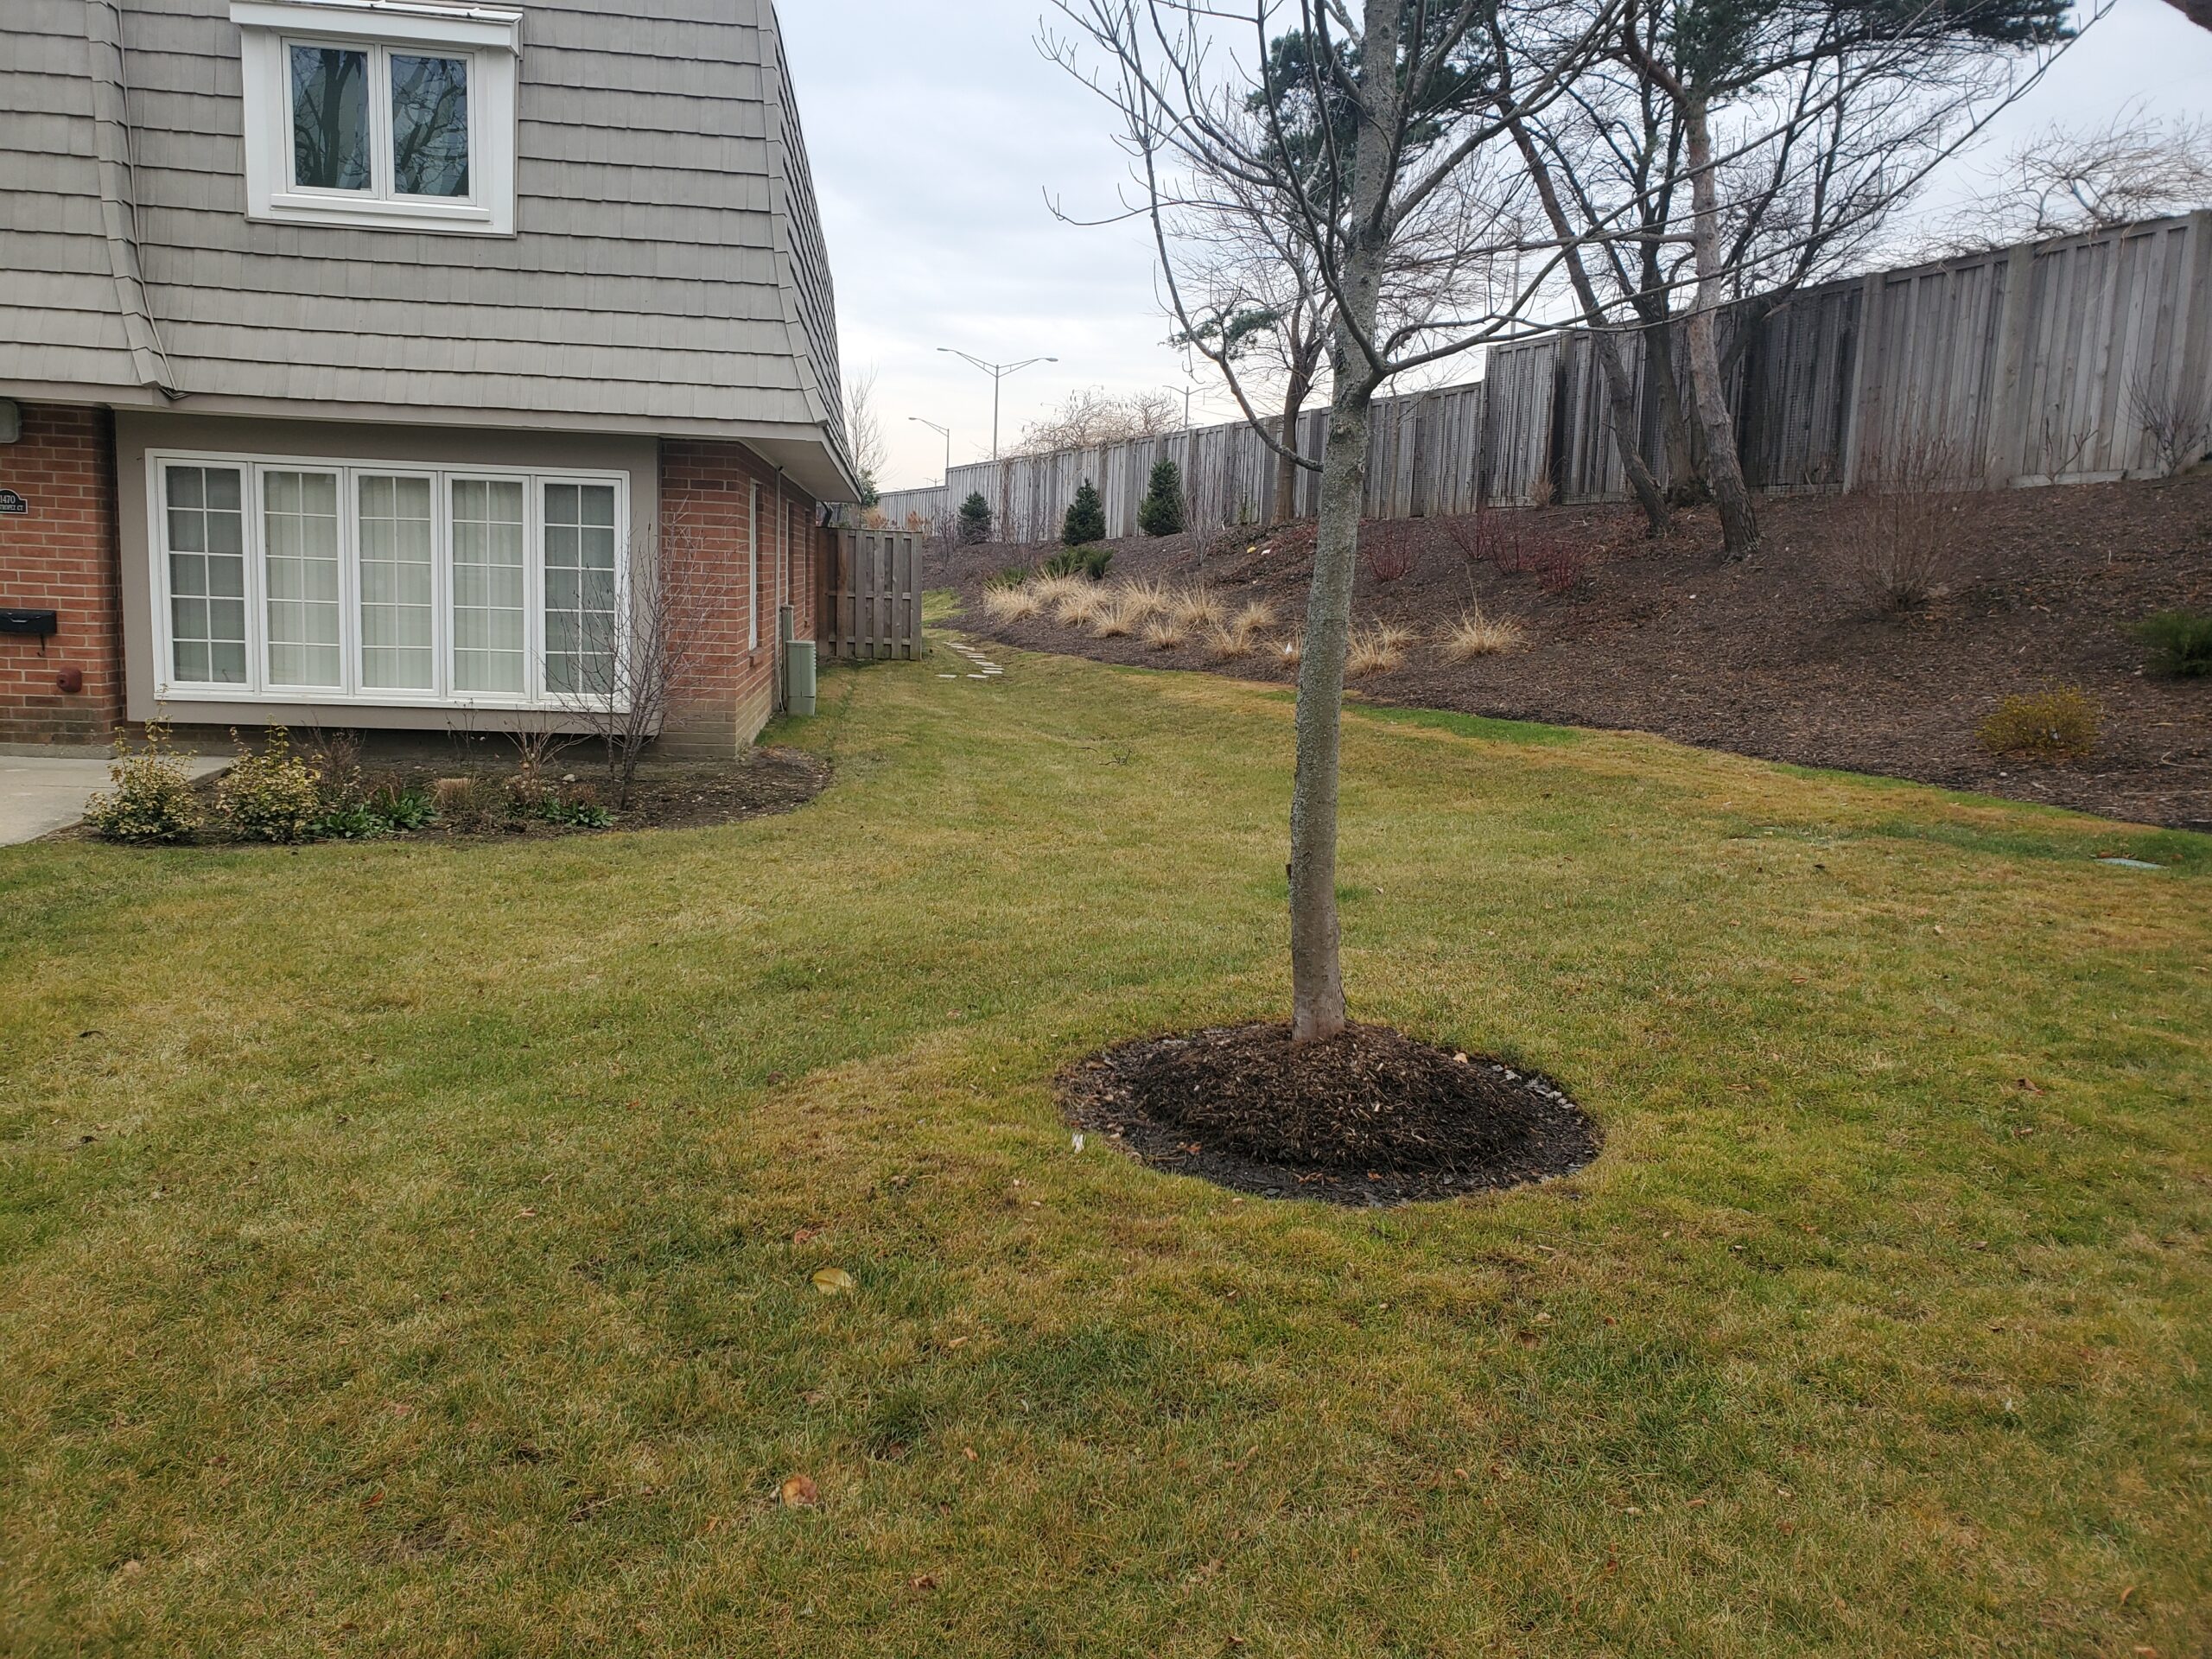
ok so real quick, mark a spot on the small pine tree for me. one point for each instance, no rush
(975, 517)
(1086, 520)
(1160, 513)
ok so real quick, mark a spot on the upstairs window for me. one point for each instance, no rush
(379, 113)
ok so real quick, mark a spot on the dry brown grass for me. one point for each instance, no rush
(1144, 598)
(1476, 635)
(1079, 607)
(1165, 634)
(1012, 604)
(1255, 618)
(1292, 649)
(1050, 590)
(1222, 644)
(1199, 608)
(1377, 648)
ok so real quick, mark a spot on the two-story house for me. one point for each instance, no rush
(353, 353)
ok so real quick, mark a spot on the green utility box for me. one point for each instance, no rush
(798, 674)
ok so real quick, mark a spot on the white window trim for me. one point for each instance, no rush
(257, 688)
(753, 574)
(492, 42)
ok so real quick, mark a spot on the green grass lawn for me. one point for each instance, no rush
(406, 1250)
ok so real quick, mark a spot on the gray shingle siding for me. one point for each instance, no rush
(668, 262)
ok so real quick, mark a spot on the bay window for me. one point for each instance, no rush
(335, 581)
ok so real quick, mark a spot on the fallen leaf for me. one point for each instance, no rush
(529, 1212)
(970, 1451)
(2126, 1593)
(834, 1282)
(803, 1236)
(954, 1342)
(798, 1490)
(922, 1581)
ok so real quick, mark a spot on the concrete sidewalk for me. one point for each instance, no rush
(42, 793)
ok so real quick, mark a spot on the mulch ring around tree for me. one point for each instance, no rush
(1366, 1117)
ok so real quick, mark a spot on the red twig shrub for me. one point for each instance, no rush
(1392, 553)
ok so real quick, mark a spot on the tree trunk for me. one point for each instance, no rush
(1316, 980)
(1724, 469)
(1316, 973)
(1620, 399)
(1287, 471)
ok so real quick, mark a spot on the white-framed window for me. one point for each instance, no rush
(286, 579)
(380, 113)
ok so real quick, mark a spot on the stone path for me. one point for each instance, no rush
(981, 666)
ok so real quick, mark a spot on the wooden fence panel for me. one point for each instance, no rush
(2029, 364)
(874, 609)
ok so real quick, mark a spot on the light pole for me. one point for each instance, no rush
(1186, 392)
(947, 431)
(998, 371)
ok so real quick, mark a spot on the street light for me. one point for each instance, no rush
(998, 371)
(947, 431)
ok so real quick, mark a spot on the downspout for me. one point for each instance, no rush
(783, 572)
(119, 194)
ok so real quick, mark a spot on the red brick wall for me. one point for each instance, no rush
(706, 507)
(62, 555)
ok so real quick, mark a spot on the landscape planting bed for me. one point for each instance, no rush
(1782, 657)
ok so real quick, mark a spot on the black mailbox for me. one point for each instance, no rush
(35, 625)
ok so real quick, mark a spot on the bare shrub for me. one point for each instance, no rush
(1390, 549)
(621, 676)
(1898, 540)
(2058, 723)
(2177, 423)
(1476, 635)
(1377, 648)
(1559, 565)
(537, 750)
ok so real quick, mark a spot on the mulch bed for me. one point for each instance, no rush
(1368, 1117)
(1782, 657)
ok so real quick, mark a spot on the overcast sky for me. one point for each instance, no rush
(936, 134)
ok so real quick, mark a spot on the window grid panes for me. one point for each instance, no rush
(379, 123)
(399, 584)
(580, 589)
(300, 577)
(205, 510)
(356, 581)
(490, 603)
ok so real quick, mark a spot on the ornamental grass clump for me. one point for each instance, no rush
(1199, 608)
(1377, 648)
(2058, 723)
(1079, 607)
(272, 795)
(152, 801)
(1476, 635)
(1164, 634)
(1011, 604)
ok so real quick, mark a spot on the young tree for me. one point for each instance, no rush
(1093, 417)
(621, 673)
(1161, 512)
(974, 517)
(864, 428)
(1767, 87)
(1359, 128)
(1086, 517)
(2068, 179)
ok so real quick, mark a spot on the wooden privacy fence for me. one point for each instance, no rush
(872, 608)
(2045, 363)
